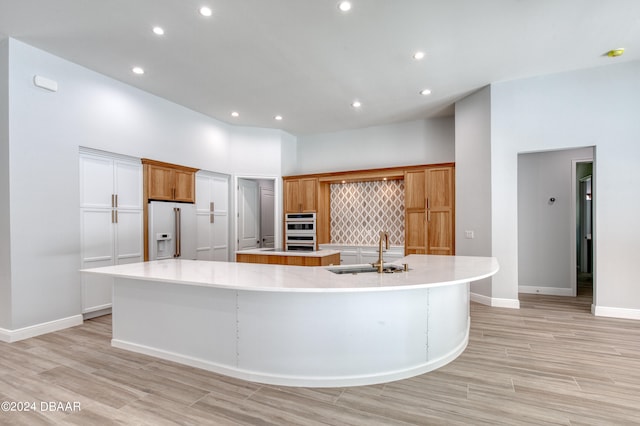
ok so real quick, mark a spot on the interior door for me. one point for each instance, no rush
(267, 204)
(248, 215)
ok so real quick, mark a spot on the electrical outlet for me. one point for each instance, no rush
(468, 234)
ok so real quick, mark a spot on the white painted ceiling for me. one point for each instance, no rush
(307, 61)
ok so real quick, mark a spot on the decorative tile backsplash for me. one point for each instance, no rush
(360, 210)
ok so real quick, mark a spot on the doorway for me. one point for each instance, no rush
(256, 213)
(551, 222)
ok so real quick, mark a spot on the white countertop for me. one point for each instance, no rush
(424, 271)
(280, 252)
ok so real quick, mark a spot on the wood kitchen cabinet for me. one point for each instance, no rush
(430, 211)
(429, 204)
(169, 182)
(300, 195)
(165, 182)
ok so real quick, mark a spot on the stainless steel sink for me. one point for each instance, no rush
(389, 268)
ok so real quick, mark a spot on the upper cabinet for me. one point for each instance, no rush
(430, 211)
(169, 182)
(300, 195)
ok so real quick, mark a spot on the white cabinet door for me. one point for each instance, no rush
(97, 243)
(128, 185)
(128, 236)
(353, 255)
(212, 211)
(367, 255)
(96, 237)
(349, 258)
(96, 182)
(111, 226)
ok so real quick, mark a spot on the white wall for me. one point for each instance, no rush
(416, 142)
(89, 109)
(545, 237)
(473, 179)
(597, 107)
(289, 154)
(5, 265)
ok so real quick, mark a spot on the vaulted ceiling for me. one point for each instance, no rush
(308, 61)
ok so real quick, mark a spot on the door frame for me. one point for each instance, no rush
(575, 190)
(277, 207)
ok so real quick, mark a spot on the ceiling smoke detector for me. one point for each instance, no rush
(615, 52)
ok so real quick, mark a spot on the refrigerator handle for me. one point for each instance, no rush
(176, 212)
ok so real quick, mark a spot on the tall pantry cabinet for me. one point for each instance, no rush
(430, 211)
(111, 221)
(212, 216)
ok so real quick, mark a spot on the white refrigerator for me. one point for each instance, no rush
(172, 230)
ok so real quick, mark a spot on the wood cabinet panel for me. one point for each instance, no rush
(441, 200)
(415, 191)
(185, 186)
(415, 241)
(309, 194)
(160, 183)
(300, 195)
(293, 260)
(291, 196)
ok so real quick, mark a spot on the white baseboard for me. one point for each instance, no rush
(97, 313)
(549, 291)
(495, 302)
(606, 311)
(480, 298)
(10, 336)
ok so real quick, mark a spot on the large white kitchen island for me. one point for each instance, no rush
(295, 325)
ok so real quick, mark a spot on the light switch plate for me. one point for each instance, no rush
(468, 234)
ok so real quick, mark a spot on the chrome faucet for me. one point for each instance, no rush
(384, 236)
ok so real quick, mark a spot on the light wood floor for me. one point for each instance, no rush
(550, 362)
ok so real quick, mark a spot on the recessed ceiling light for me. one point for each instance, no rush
(137, 70)
(356, 104)
(206, 11)
(344, 6)
(235, 114)
(278, 117)
(425, 92)
(418, 55)
(158, 30)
